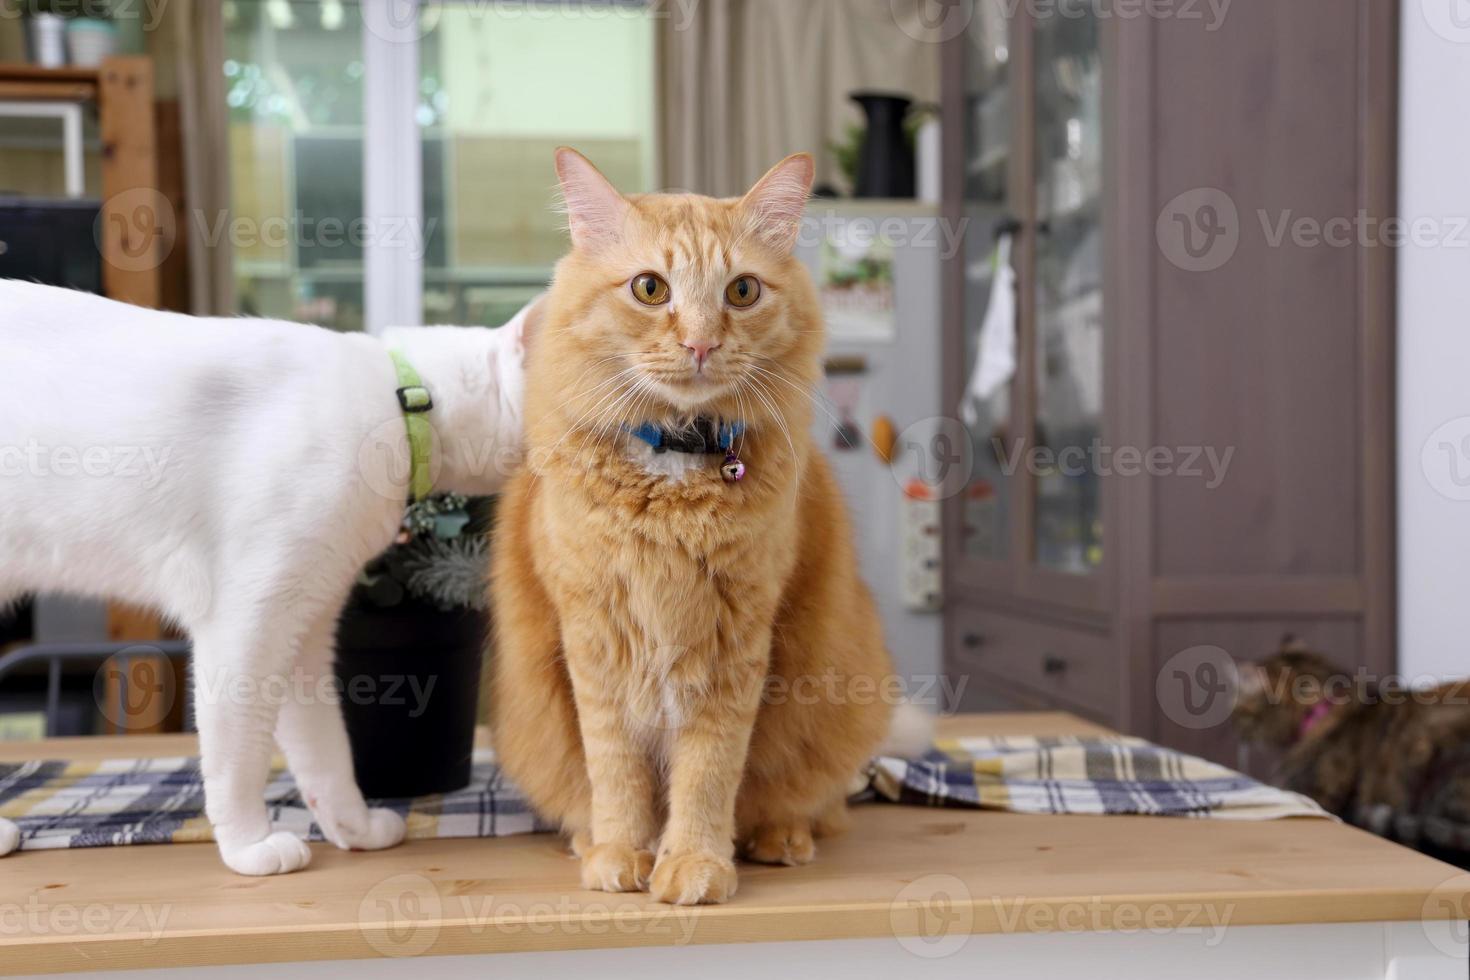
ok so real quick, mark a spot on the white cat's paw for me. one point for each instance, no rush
(371, 830)
(9, 837)
(280, 853)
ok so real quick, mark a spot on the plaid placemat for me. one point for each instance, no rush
(161, 801)
(1072, 774)
(153, 801)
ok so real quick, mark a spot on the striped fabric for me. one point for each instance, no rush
(152, 801)
(1070, 774)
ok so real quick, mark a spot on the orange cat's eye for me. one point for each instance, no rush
(743, 291)
(650, 289)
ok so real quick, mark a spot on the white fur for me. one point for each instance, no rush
(234, 474)
(910, 732)
(671, 466)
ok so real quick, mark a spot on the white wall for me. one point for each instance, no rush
(1434, 344)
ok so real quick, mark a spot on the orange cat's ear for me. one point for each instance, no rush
(595, 209)
(778, 200)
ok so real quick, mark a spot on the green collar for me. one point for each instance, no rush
(416, 402)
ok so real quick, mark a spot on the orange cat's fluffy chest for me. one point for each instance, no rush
(672, 563)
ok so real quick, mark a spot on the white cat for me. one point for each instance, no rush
(235, 474)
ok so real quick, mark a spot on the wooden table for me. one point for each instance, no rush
(946, 892)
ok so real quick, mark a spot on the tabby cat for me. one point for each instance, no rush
(687, 660)
(1390, 759)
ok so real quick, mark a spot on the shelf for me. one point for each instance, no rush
(20, 71)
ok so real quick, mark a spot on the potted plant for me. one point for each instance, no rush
(91, 36)
(409, 650)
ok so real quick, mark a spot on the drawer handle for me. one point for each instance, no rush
(1053, 665)
(974, 641)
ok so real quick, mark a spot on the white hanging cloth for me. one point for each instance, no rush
(995, 357)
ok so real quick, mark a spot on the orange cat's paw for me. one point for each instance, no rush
(781, 843)
(693, 878)
(615, 868)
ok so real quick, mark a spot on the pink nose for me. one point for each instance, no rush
(702, 350)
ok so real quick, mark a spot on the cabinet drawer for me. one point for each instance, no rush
(1073, 666)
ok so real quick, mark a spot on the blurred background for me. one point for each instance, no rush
(1147, 320)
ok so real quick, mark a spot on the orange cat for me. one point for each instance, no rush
(686, 658)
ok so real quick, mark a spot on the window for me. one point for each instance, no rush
(500, 85)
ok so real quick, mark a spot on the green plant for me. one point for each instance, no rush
(441, 557)
(847, 151)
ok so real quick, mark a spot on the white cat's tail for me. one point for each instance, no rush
(910, 732)
(9, 837)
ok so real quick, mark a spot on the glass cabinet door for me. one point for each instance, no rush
(988, 185)
(1067, 292)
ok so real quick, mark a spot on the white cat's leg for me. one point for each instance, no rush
(240, 671)
(311, 732)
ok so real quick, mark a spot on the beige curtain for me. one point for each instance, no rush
(745, 82)
(195, 40)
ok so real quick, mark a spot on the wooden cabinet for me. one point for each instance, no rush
(1193, 451)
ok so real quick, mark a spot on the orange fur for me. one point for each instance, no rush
(683, 665)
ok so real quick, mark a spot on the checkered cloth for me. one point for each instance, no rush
(151, 801)
(1072, 774)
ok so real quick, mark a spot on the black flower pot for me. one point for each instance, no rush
(886, 164)
(410, 686)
